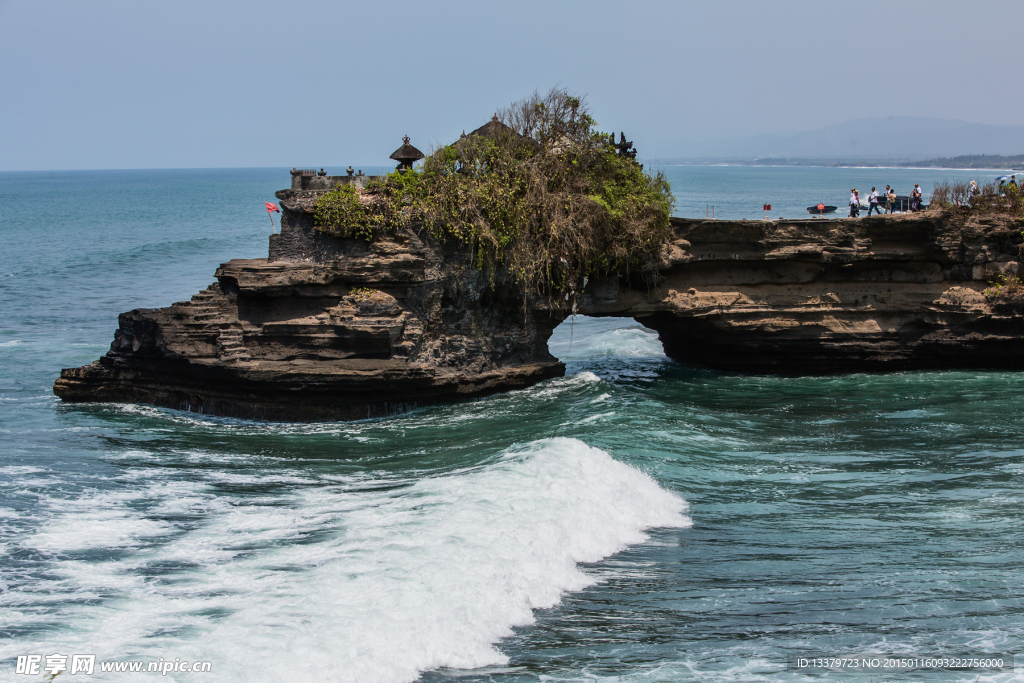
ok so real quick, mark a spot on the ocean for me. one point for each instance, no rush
(637, 520)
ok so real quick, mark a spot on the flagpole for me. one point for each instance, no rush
(271, 208)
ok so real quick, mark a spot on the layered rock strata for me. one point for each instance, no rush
(887, 293)
(326, 329)
(329, 329)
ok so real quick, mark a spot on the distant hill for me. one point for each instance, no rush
(986, 161)
(897, 138)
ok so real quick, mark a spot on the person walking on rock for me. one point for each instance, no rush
(873, 203)
(915, 198)
(890, 200)
(854, 203)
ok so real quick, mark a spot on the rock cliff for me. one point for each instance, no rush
(330, 328)
(326, 329)
(886, 293)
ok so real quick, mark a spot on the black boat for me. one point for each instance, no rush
(902, 204)
(820, 209)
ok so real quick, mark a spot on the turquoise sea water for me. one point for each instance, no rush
(636, 520)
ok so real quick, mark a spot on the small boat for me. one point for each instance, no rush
(820, 209)
(902, 204)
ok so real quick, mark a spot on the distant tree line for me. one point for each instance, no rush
(970, 161)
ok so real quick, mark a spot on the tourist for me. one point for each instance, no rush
(873, 203)
(890, 200)
(973, 191)
(1013, 180)
(854, 203)
(915, 198)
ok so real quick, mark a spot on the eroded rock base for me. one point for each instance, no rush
(353, 391)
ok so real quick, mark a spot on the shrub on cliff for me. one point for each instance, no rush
(959, 199)
(538, 193)
(1006, 294)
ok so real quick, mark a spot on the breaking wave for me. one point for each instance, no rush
(367, 580)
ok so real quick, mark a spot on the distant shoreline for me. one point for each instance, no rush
(909, 168)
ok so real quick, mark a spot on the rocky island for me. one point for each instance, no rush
(326, 328)
(335, 326)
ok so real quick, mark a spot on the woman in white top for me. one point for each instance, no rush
(854, 203)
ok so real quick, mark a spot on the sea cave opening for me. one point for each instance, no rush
(582, 338)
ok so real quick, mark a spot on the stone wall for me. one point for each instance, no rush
(311, 180)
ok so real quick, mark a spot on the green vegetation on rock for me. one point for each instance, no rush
(1007, 292)
(538, 194)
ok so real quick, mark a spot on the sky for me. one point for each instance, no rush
(224, 83)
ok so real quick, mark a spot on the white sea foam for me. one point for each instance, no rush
(102, 521)
(595, 418)
(633, 341)
(907, 414)
(345, 582)
(556, 387)
(8, 472)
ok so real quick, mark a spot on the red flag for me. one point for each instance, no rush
(272, 207)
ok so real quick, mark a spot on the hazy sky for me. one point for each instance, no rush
(217, 83)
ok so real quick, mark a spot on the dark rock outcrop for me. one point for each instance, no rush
(328, 328)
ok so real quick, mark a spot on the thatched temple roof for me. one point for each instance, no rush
(407, 153)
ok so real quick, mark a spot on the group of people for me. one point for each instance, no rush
(888, 196)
